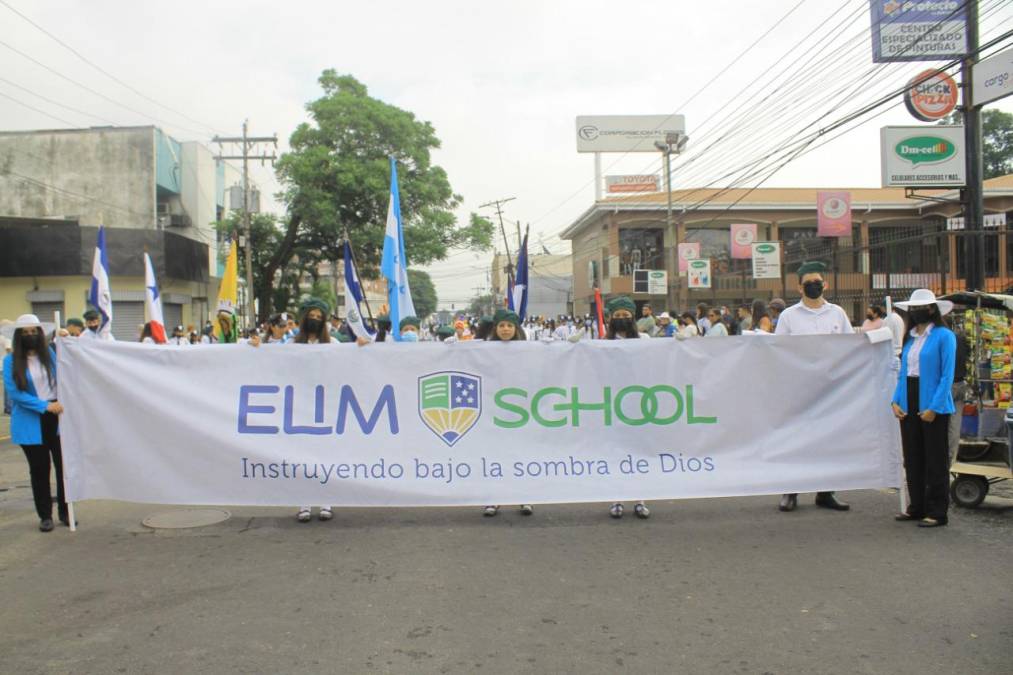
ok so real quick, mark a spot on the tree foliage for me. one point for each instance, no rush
(336, 179)
(996, 141)
(423, 292)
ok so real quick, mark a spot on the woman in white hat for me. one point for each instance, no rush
(30, 383)
(923, 403)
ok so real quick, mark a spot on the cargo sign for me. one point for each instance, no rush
(923, 156)
(631, 184)
(626, 133)
(918, 30)
(766, 260)
(699, 274)
(931, 96)
(993, 78)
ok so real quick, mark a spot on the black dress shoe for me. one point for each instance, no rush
(788, 502)
(46, 525)
(906, 516)
(829, 501)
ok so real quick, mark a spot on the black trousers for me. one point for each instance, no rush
(926, 459)
(38, 466)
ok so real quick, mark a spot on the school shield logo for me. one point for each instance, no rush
(450, 403)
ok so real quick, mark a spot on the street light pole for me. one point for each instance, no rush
(676, 142)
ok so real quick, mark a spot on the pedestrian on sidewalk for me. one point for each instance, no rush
(923, 402)
(813, 315)
(30, 384)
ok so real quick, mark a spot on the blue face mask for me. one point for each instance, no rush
(410, 336)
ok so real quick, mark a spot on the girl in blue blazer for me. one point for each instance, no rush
(923, 403)
(30, 383)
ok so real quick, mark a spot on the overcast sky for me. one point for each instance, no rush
(501, 82)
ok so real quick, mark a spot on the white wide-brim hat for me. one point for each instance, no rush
(923, 297)
(27, 321)
(664, 315)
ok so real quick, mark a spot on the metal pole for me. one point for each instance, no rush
(974, 205)
(597, 176)
(250, 311)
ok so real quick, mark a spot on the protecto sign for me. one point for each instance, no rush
(931, 95)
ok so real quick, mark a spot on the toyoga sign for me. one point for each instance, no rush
(475, 423)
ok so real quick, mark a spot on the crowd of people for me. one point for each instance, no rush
(929, 360)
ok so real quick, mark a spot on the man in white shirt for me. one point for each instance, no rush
(93, 322)
(814, 315)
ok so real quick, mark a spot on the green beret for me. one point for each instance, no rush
(75, 322)
(506, 315)
(620, 302)
(409, 321)
(91, 315)
(814, 266)
(314, 303)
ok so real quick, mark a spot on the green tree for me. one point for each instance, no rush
(996, 141)
(336, 180)
(423, 292)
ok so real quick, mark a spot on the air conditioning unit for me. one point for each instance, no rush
(179, 220)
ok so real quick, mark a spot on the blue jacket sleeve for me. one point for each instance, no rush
(899, 393)
(22, 398)
(947, 359)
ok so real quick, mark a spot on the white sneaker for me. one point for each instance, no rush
(303, 516)
(616, 510)
(325, 513)
(527, 509)
(642, 511)
(490, 511)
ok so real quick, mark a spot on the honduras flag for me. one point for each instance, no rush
(517, 300)
(353, 296)
(100, 297)
(393, 264)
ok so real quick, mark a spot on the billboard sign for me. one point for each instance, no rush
(833, 214)
(626, 133)
(926, 156)
(743, 235)
(688, 251)
(918, 30)
(631, 184)
(931, 95)
(993, 78)
(654, 282)
(766, 260)
(699, 273)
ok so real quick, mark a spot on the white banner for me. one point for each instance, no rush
(476, 423)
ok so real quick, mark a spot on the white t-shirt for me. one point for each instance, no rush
(828, 319)
(40, 379)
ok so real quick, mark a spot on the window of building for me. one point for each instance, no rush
(641, 248)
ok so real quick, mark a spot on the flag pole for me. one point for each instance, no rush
(365, 298)
(70, 505)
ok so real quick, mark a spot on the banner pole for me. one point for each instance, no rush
(70, 504)
(365, 299)
(902, 491)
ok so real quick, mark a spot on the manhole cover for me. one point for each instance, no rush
(177, 520)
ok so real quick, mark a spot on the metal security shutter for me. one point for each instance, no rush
(45, 310)
(127, 316)
(173, 315)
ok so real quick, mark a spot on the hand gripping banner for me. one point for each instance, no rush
(476, 423)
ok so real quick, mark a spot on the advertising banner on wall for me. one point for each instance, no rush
(699, 273)
(918, 30)
(476, 423)
(743, 235)
(925, 156)
(631, 184)
(767, 260)
(833, 214)
(688, 251)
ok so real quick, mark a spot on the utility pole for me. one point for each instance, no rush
(498, 203)
(248, 144)
(974, 206)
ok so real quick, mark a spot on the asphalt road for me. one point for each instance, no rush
(704, 586)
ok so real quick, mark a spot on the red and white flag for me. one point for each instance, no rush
(153, 302)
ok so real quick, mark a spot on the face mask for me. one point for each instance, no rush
(29, 341)
(813, 289)
(410, 336)
(921, 315)
(624, 326)
(93, 329)
(314, 325)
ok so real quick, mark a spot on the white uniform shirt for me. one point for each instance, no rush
(914, 354)
(798, 319)
(40, 379)
(89, 334)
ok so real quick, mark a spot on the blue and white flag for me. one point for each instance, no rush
(100, 297)
(394, 265)
(353, 296)
(517, 299)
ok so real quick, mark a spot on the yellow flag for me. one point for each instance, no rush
(228, 298)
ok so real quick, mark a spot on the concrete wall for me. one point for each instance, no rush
(198, 198)
(102, 176)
